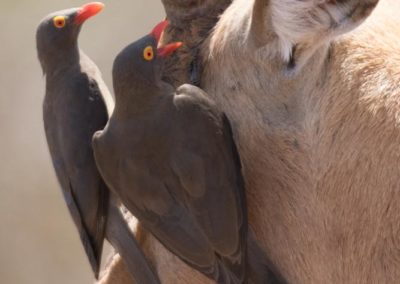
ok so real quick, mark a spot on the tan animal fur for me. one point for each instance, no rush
(316, 117)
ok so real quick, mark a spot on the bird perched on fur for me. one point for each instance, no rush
(170, 157)
(76, 105)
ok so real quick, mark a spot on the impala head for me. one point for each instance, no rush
(301, 26)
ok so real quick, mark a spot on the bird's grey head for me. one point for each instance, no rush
(138, 67)
(57, 34)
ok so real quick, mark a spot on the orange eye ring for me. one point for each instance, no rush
(148, 53)
(59, 22)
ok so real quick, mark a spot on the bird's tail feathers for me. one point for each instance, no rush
(123, 240)
(92, 245)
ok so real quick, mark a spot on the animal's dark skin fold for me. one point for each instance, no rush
(171, 159)
(191, 22)
(76, 105)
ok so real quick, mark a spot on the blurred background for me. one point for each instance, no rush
(38, 241)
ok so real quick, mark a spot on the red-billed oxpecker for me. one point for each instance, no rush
(76, 105)
(170, 157)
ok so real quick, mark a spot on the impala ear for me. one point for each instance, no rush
(304, 24)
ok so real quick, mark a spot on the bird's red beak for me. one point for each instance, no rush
(168, 49)
(87, 11)
(159, 29)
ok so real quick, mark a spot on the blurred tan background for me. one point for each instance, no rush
(38, 242)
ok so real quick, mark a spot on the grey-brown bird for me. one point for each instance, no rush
(76, 105)
(170, 157)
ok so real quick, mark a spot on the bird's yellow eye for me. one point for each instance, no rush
(148, 53)
(59, 22)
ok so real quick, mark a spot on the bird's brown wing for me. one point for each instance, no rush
(91, 235)
(152, 200)
(89, 216)
(208, 166)
(195, 209)
(69, 126)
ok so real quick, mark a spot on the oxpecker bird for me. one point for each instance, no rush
(170, 156)
(77, 104)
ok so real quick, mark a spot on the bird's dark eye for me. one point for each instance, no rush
(148, 53)
(59, 22)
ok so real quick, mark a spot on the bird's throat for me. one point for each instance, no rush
(57, 61)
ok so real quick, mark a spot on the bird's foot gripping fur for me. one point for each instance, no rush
(303, 26)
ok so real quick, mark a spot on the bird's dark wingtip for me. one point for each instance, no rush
(93, 248)
(94, 258)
